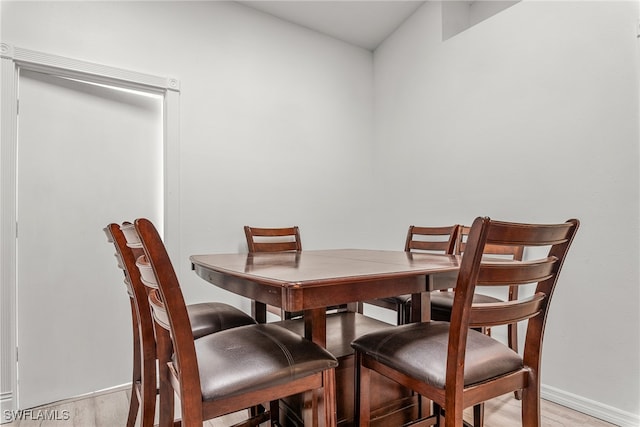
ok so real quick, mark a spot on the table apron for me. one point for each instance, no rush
(268, 294)
(298, 298)
(316, 296)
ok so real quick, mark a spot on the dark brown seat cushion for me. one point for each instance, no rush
(420, 350)
(442, 303)
(205, 318)
(247, 358)
(209, 317)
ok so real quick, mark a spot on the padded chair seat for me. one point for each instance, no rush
(420, 350)
(207, 317)
(442, 303)
(445, 299)
(248, 358)
(439, 299)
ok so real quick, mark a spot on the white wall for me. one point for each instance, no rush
(530, 115)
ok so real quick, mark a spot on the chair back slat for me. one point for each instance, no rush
(125, 257)
(514, 252)
(147, 276)
(436, 239)
(495, 314)
(543, 235)
(273, 239)
(515, 272)
(275, 247)
(159, 311)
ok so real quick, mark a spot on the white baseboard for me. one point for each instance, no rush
(590, 407)
(552, 394)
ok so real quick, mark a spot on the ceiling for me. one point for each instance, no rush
(361, 23)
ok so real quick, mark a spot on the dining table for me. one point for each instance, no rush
(310, 281)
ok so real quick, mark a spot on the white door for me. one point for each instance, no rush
(88, 155)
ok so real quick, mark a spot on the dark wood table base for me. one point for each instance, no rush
(392, 404)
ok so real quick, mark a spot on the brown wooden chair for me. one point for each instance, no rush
(143, 384)
(283, 239)
(456, 366)
(206, 318)
(273, 239)
(429, 239)
(238, 368)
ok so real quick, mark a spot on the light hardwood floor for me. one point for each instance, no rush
(110, 410)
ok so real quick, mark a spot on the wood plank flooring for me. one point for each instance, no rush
(110, 410)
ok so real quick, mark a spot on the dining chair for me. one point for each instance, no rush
(206, 318)
(282, 239)
(423, 239)
(456, 366)
(143, 383)
(237, 368)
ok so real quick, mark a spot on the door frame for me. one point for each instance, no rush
(13, 59)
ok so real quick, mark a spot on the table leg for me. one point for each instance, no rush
(421, 302)
(259, 311)
(315, 329)
(315, 326)
(421, 312)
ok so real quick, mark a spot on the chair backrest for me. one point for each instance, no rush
(176, 309)
(438, 239)
(273, 239)
(126, 256)
(146, 276)
(476, 271)
(126, 253)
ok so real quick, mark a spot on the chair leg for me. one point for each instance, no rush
(407, 312)
(274, 412)
(149, 391)
(134, 402)
(531, 405)
(329, 398)
(478, 415)
(437, 411)
(453, 416)
(145, 373)
(512, 340)
(362, 411)
(164, 350)
(400, 314)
